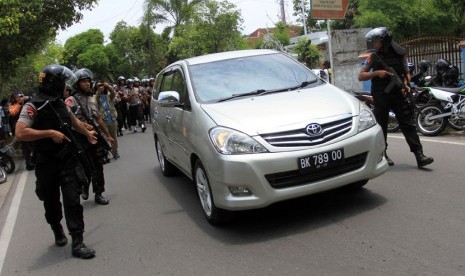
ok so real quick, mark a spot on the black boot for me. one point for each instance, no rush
(422, 160)
(99, 199)
(390, 162)
(60, 237)
(85, 192)
(79, 249)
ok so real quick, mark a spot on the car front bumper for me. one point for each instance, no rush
(261, 173)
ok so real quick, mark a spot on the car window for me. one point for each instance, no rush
(156, 88)
(179, 85)
(221, 79)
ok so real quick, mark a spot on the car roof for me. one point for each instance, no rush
(228, 55)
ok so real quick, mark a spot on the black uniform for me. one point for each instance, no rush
(394, 100)
(56, 169)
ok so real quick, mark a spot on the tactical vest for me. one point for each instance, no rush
(392, 60)
(45, 119)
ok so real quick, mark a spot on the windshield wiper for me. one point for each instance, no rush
(260, 92)
(251, 93)
(302, 85)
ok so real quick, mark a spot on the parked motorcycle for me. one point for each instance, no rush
(446, 106)
(3, 176)
(6, 161)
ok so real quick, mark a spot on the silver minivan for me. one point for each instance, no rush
(255, 127)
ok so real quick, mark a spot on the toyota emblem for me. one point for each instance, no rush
(314, 129)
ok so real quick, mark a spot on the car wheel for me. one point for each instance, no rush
(167, 168)
(214, 215)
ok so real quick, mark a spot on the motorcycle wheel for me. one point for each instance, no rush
(430, 127)
(3, 177)
(457, 124)
(393, 124)
(7, 163)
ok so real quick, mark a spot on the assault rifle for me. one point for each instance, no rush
(102, 142)
(395, 79)
(76, 149)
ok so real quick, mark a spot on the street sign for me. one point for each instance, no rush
(329, 9)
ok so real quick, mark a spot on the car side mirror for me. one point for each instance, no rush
(169, 99)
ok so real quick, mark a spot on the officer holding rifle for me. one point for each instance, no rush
(47, 122)
(388, 70)
(84, 106)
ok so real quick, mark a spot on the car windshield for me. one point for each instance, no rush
(228, 79)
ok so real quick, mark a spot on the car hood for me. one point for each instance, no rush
(283, 111)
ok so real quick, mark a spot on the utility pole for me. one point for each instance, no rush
(304, 16)
(283, 12)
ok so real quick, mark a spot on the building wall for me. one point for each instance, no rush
(347, 45)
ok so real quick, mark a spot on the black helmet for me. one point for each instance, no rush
(442, 66)
(424, 65)
(129, 81)
(380, 33)
(52, 81)
(82, 74)
(121, 78)
(451, 77)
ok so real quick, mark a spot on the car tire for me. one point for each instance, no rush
(214, 215)
(167, 168)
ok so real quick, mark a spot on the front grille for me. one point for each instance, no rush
(299, 137)
(295, 178)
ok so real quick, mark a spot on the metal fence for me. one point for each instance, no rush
(433, 48)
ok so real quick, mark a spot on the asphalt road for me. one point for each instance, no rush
(406, 222)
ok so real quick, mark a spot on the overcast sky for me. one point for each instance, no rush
(256, 14)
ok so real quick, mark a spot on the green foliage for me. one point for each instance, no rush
(136, 51)
(170, 12)
(307, 53)
(214, 27)
(27, 26)
(80, 44)
(281, 32)
(413, 18)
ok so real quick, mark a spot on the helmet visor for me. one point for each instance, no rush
(69, 76)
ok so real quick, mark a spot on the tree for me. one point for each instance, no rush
(307, 52)
(136, 51)
(413, 18)
(27, 26)
(214, 27)
(173, 13)
(78, 45)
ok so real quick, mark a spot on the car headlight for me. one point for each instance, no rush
(366, 119)
(229, 141)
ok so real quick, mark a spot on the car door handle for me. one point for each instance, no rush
(167, 117)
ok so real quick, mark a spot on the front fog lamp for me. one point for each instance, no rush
(239, 191)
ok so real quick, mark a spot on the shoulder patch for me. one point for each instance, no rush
(31, 111)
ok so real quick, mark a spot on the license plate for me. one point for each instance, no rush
(320, 160)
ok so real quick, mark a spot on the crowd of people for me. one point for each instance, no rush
(124, 107)
(69, 129)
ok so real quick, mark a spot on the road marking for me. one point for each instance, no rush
(430, 140)
(10, 222)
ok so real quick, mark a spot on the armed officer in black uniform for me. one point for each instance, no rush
(382, 67)
(84, 106)
(47, 121)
